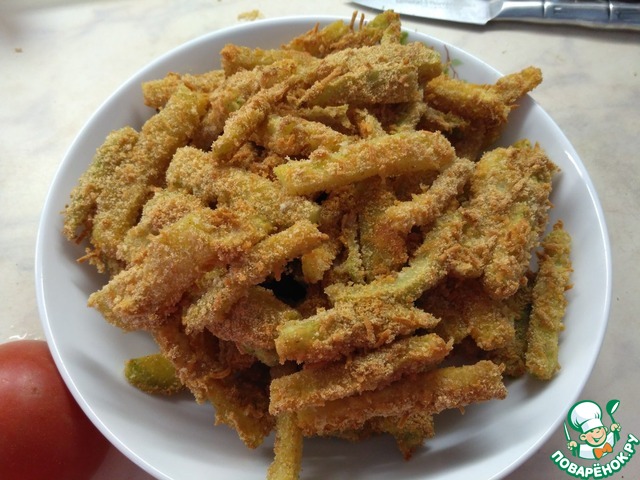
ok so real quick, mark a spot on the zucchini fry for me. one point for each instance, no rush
(429, 392)
(179, 255)
(314, 386)
(410, 431)
(423, 208)
(252, 324)
(240, 399)
(119, 207)
(383, 156)
(164, 208)
(429, 265)
(266, 258)
(522, 223)
(485, 107)
(291, 136)
(287, 449)
(319, 42)
(79, 212)
(157, 93)
(334, 333)
(196, 172)
(549, 304)
(153, 374)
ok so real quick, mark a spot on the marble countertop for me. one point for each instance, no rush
(59, 61)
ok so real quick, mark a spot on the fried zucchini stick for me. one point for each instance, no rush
(509, 201)
(382, 251)
(196, 172)
(429, 265)
(429, 392)
(164, 208)
(287, 449)
(384, 156)
(351, 269)
(118, 208)
(512, 355)
(234, 92)
(409, 430)
(291, 136)
(336, 332)
(332, 220)
(465, 309)
(252, 324)
(266, 258)
(319, 42)
(240, 400)
(382, 74)
(423, 208)
(236, 58)
(157, 93)
(549, 304)
(243, 122)
(179, 255)
(79, 212)
(314, 386)
(153, 374)
(485, 107)
(522, 223)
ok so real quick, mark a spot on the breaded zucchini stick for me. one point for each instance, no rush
(382, 250)
(79, 212)
(429, 392)
(465, 309)
(253, 324)
(319, 42)
(241, 124)
(549, 304)
(179, 255)
(234, 92)
(383, 156)
(485, 107)
(153, 374)
(164, 208)
(523, 222)
(429, 265)
(409, 430)
(291, 136)
(236, 58)
(316, 385)
(240, 400)
(287, 449)
(119, 207)
(336, 219)
(334, 333)
(196, 172)
(266, 258)
(512, 355)
(423, 208)
(382, 74)
(157, 93)
(508, 207)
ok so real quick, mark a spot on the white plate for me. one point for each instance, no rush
(175, 438)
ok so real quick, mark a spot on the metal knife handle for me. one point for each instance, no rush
(596, 13)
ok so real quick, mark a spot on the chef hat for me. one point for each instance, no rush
(585, 416)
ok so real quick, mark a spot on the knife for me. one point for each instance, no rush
(589, 13)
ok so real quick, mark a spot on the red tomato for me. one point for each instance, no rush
(43, 432)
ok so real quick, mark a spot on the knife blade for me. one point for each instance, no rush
(589, 13)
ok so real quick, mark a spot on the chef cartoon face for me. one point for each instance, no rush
(595, 437)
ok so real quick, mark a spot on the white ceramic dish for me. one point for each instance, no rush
(174, 439)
